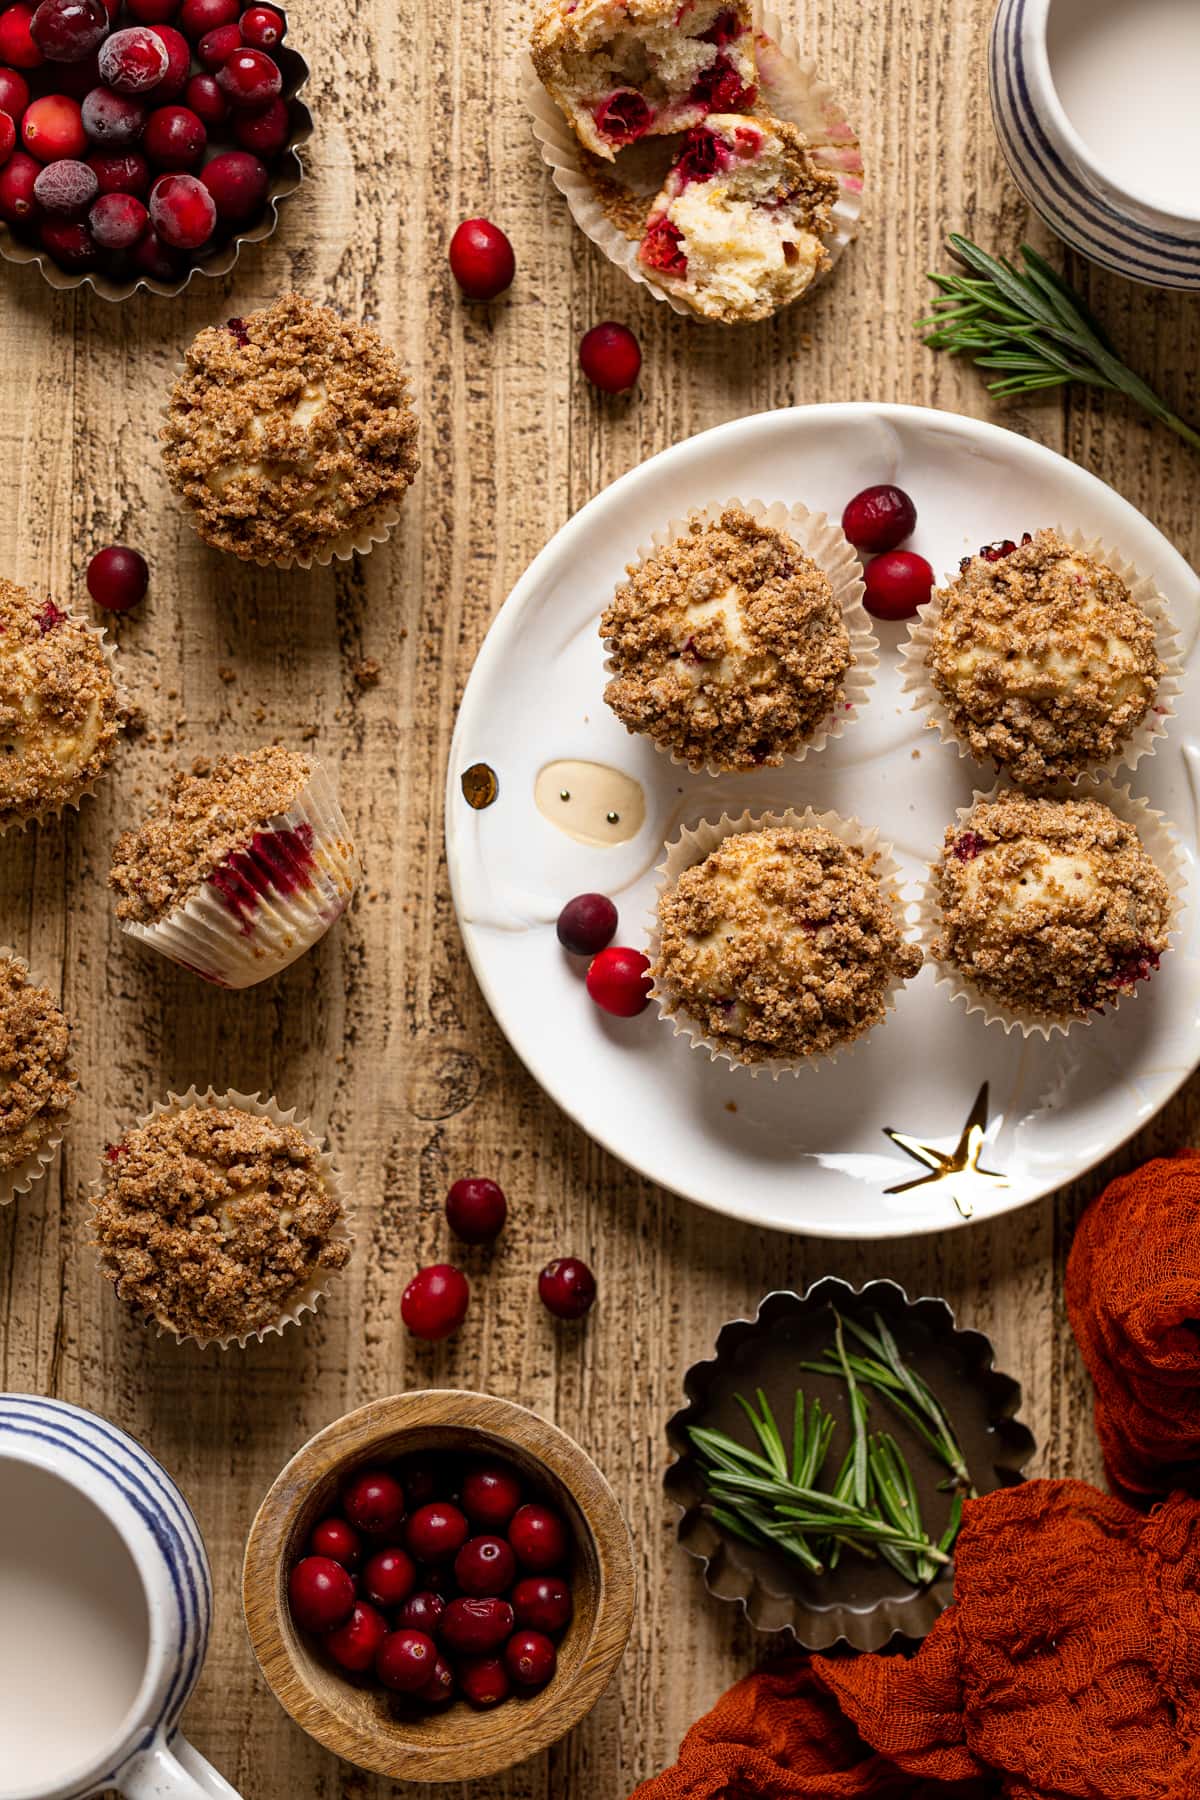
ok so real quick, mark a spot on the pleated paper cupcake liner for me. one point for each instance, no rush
(1142, 741)
(278, 897)
(30, 1170)
(305, 1299)
(694, 844)
(826, 545)
(1158, 839)
(45, 814)
(600, 194)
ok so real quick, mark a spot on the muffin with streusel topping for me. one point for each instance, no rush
(290, 435)
(59, 714)
(37, 1080)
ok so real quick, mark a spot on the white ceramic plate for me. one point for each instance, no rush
(808, 1153)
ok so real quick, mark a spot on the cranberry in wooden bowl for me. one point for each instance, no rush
(477, 1713)
(149, 110)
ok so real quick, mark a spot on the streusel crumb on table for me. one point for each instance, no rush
(37, 1082)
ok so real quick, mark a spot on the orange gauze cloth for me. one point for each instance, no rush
(1133, 1295)
(1068, 1668)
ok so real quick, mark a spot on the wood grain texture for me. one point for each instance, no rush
(380, 1034)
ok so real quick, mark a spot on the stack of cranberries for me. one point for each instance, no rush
(138, 135)
(438, 1581)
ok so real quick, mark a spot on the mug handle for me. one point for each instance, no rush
(173, 1772)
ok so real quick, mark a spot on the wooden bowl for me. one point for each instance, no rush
(359, 1722)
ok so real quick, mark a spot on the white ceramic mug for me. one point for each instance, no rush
(105, 1605)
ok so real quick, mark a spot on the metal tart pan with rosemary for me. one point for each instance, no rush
(825, 1455)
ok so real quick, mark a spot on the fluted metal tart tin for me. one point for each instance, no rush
(862, 1605)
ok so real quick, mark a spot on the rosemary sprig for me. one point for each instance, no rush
(1031, 325)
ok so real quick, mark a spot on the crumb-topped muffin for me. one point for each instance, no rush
(1050, 907)
(216, 1222)
(782, 944)
(289, 432)
(727, 646)
(1044, 661)
(621, 70)
(737, 231)
(59, 716)
(37, 1081)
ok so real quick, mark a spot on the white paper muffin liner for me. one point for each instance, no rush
(694, 844)
(305, 1299)
(45, 814)
(825, 544)
(790, 87)
(1143, 741)
(206, 936)
(25, 1174)
(1158, 839)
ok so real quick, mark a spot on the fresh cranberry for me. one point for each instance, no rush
(152, 12)
(66, 188)
(530, 1659)
(263, 27)
(542, 1603)
(69, 242)
(374, 1502)
(406, 1660)
(8, 138)
(150, 256)
(437, 1532)
(476, 1209)
(624, 117)
(567, 1287)
(389, 1578)
(203, 97)
(490, 1497)
(611, 357)
(216, 47)
(128, 174)
(265, 129)
(538, 1538)
(111, 119)
(586, 924)
(65, 31)
(484, 1680)
(473, 1627)
(17, 204)
(238, 183)
(14, 94)
(434, 1304)
(182, 211)
(425, 1481)
(879, 518)
(134, 60)
(440, 1686)
(53, 128)
(179, 62)
(481, 259)
(17, 47)
(355, 1645)
(201, 16)
(662, 248)
(619, 981)
(249, 78)
(174, 138)
(321, 1594)
(337, 1540)
(422, 1612)
(484, 1567)
(898, 582)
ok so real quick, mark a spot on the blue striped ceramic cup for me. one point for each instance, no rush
(105, 1605)
(1093, 106)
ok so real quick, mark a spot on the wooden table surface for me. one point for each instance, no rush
(381, 1033)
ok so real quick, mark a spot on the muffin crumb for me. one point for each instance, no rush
(37, 1082)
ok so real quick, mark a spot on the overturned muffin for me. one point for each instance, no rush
(621, 70)
(1049, 907)
(37, 1081)
(290, 433)
(727, 646)
(737, 231)
(781, 945)
(58, 707)
(1044, 661)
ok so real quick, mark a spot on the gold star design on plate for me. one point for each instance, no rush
(959, 1169)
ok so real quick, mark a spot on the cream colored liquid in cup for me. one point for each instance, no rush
(591, 802)
(74, 1634)
(1127, 73)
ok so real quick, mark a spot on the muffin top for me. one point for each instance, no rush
(37, 1082)
(202, 821)
(781, 943)
(58, 707)
(1053, 907)
(727, 645)
(214, 1221)
(288, 429)
(1044, 660)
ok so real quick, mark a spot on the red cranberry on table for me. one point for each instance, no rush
(113, 121)
(174, 138)
(355, 1645)
(485, 1567)
(474, 1627)
(437, 1532)
(530, 1659)
(203, 97)
(249, 78)
(69, 242)
(17, 47)
(200, 16)
(216, 47)
(440, 1686)
(336, 1539)
(150, 256)
(182, 211)
(17, 204)
(611, 357)
(484, 1680)
(238, 183)
(264, 129)
(118, 222)
(406, 1660)
(481, 259)
(134, 60)
(263, 27)
(490, 1497)
(66, 31)
(66, 188)
(898, 583)
(179, 62)
(53, 128)
(542, 1603)
(567, 1287)
(879, 518)
(434, 1304)
(14, 94)
(422, 1612)
(320, 1593)
(373, 1501)
(128, 174)
(8, 137)
(476, 1209)
(538, 1538)
(619, 981)
(586, 924)
(389, 1578)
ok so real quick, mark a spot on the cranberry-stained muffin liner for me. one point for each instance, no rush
(24, 1175)
(1143, 741)
(1158, 839)
(608, 201)
(305, 1299)
(693, 845)
(825, 544)
(268, 903)
(46, 813)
